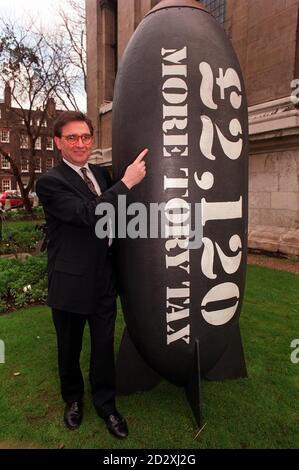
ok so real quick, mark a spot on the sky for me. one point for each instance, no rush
(45, 12)
(42, 10)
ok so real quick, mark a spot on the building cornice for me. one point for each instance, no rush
(102, 157)
(273, 115)
(105, 107)
(274, 126)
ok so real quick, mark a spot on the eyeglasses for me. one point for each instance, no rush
(74, 138)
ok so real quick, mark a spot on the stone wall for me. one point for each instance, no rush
(274, 202)
(274, 177)
(265, 36)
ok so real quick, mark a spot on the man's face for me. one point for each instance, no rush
(74, 149)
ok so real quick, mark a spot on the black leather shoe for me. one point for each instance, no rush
(73, 415)
(117, 425)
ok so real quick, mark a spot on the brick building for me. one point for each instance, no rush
(14, 141)
(265, 36)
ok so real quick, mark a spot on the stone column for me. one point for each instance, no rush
(94, 64)
(130, 13)
(108, 48)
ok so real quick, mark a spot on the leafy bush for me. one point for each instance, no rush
(22, 214)
(23, 282)
(20, 236)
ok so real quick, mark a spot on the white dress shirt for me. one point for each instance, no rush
(89, 174)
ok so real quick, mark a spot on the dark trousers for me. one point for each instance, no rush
(69, 329)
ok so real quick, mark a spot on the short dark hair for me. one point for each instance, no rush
(70, 116)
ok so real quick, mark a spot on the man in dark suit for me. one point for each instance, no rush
(81, 280)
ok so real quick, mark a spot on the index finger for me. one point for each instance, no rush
(141, 156)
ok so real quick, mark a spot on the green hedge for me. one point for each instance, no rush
(20, 236)
(23, 282)
(22, 214)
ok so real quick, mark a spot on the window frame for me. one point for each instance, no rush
(4, 159)
(48, 167)
(38, 168)
(50, 140)
(23, 170)
(24, 141)
(2, 184)
(2, 139)
(38, 143)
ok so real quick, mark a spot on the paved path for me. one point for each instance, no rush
(281, 264)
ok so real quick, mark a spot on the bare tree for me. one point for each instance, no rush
(73, 19)
(68, 40)
(33, 71)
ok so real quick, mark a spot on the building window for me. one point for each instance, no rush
(5, 163)
(38, 143)
(49, 145)
(4, 137)
(24, 141)
(38, 165)
(24, 164)
(6, 184)
(44, 123)
(217, 8)
(0, 113)
(49, 163)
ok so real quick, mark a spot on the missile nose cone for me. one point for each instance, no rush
(177, 4)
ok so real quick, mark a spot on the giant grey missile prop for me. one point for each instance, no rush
(179, 92)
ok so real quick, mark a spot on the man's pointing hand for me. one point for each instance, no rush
(136, 171)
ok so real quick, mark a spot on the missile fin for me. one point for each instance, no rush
(232, 363)
(132, 373)
(193, 388)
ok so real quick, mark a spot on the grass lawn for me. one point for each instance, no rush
(261, 411)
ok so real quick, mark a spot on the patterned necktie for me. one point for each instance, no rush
(88, 181)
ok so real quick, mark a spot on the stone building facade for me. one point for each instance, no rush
(15, 141)
(265, 35)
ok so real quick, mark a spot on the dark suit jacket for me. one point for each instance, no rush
(79, 264)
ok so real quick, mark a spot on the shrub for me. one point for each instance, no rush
(20, 236)
(23, 282)
(21, 214)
